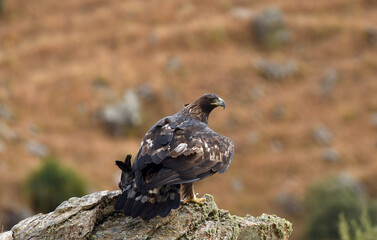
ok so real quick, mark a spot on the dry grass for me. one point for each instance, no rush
(51, 52)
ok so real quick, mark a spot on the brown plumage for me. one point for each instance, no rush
(177, 151)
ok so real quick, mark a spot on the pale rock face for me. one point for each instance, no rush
(121, 115)
(93, 217)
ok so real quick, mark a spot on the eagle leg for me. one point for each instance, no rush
(189, 195)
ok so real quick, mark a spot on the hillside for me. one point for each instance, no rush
(60, 62)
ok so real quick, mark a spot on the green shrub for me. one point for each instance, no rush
(362, 231)
(372, 211)
(52, 184)
(326, 200)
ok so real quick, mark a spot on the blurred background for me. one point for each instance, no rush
(82, 81)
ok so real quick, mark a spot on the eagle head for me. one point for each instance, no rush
(208, 102)
(202, 107)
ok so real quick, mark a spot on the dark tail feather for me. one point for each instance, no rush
(173, 201)
(147, 208)
(159, 201)
(121, 201)
(144, 203)
(154, 212)
(126, 165)
(127, 174)
(136, 209)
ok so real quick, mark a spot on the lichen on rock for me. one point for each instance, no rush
(93, 217)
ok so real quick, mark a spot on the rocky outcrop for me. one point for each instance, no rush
(93, 217)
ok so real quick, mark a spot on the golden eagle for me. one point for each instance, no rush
(177, 151)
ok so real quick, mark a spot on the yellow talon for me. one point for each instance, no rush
(195, 200)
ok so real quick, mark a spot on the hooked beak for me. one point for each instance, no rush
(220, 102)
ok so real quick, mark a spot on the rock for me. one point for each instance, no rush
(241, 13)
(322, 135)
(278, 113)
(152, 38)
(7, 133)
(101, 86)
(252, 138)
(82, 108)
(146, 92)
(5, 113)
(373, 119)
(288, 202)
(121, 115)
(2, 146)
(256, 93)
(34, 129)
(6, 235)
(345, 181)
(330, 155)
(328, 82)
(276, 70)
(37, 149)
(371, 35)
(99, 82)
(238, 185)
(276, 146)
(173, 64)
(93, 217)
(270, 28)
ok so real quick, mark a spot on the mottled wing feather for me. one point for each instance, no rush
(185, 153)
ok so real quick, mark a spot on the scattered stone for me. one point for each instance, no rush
(371, 35)
(256, 116)
(124, 114)
(2, 146)
(82, 108)
(100, 82)
(7, 133)
(152, 38)
(237, 185)
(276, 70)
(328, 82)
(101, 86)
(252, 138)
(186, 10)
(270, 28)
(64, 85)
(289, 203)
(347, 180)
(241, 13)
(278, 113)
(330, 155)
(373, 119)
(34, 129)
(256, 93)
(93, 217)
(322, 135)
(37, 149)
(5, 113)
(276, 146)
(173, 64)
(170, 94)
(146, 92)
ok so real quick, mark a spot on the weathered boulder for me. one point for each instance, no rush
(119, 116)
(93, 217)
(270, 28)
(276, 71)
